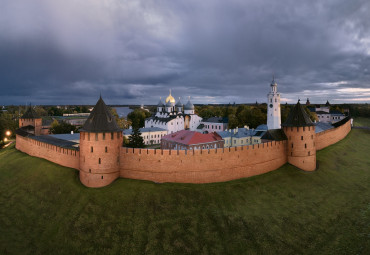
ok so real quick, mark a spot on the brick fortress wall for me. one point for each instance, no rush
(199, 166)
(332, 136)
(202, 166)
(58, 155)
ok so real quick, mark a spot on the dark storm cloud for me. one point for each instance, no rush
(58, 52)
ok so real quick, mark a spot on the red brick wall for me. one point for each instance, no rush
(214, 165)
(332, 136)
(301, 147)
(99, 161)
(199, 166)
(58, 155)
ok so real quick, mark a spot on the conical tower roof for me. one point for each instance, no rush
(100, 119)
(30, 114)
(298, 117)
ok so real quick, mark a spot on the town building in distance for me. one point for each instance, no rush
(324, 114)
(173, 116)
(151, 136)
(191, 140)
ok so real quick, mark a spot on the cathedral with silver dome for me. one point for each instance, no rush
(173, 116)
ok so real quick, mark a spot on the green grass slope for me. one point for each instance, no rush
(44, 209)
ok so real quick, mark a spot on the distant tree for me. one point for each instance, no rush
(62, 128)
(7, 123)
(54, 111)
(121, 121)
(40, 111)
(136, 140)
(137, 117)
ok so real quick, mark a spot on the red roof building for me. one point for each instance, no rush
(188, 140)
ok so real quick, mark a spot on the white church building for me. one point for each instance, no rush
(173, 116)
(273, 107)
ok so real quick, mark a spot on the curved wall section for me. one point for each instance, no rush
(99, 158)
(332, 136)
(214, 165)
(61, 156)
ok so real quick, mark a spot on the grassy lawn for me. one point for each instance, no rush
(44, 209)
(361, 122)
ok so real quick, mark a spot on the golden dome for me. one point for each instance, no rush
(170, 98)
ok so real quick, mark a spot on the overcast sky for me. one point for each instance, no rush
(133, 52)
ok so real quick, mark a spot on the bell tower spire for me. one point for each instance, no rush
(273, 107)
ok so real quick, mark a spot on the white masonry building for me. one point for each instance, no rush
(173, 116)
(273, 107)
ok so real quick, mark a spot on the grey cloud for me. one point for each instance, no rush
(216, 52)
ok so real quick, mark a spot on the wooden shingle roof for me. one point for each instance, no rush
(100, 119)
(30, 114)
(298, 117)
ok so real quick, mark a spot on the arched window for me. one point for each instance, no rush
(92, 149)
(99, 160)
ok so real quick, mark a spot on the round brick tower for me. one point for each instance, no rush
(100, 142)
(300, 131)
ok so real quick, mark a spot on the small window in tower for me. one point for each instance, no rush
(292, 145)
(103, 136)
(111, 135)
(303, 129)
(305, 146)
(301, 137)
(92, 149)
(102, 177)
(99, 160)
(309, 153)
(106, 149)
(270, 100)
(89, 170)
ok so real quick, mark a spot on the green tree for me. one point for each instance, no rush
(121, 121)
(7, 123)
(137, 117)
(136, 140)
(62, 128)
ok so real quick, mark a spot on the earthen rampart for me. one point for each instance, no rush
(56, 154)
(332, 136)
(202, 166)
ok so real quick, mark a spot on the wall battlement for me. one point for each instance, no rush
(61, 156)
(191, 166)
(201, 166)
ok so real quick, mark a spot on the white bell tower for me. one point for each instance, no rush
(273, 107)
